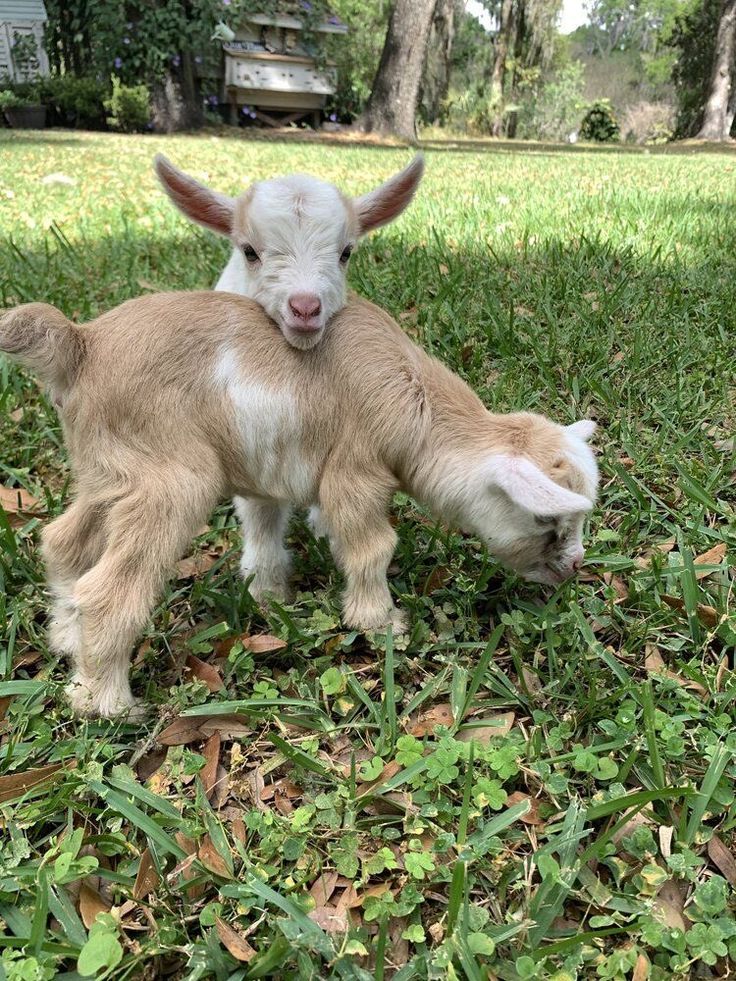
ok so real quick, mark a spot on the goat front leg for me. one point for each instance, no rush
(264, 557)
(355, 511)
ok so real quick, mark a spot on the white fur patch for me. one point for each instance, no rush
(234, 277)
(271, 435)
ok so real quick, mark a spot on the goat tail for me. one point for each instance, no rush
(41, 338)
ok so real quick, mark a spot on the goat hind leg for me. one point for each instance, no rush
(147, 532)
(71, 544)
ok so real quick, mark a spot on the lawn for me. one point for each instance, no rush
(533, 783)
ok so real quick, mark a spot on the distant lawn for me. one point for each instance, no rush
(591, 832)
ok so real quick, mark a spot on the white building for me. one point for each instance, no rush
(21, 19)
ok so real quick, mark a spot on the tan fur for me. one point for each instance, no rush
(155, 442)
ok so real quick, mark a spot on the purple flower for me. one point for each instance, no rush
(225, 3)
(306, 5)
(333, 117)
(213, 100)
(198, 59)
(118, 63)
(176, 61)
(126, 40)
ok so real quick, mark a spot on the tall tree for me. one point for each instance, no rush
(436, 81)
(721, 104)
(504, 42)
(392, 105)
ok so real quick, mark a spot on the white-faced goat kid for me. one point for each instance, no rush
(292, 239)
(208, 400)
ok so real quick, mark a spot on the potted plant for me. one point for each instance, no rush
(20, 113)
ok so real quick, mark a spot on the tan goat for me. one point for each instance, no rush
(171, 402)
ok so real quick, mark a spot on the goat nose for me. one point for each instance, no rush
(305, 305)
(578, 561)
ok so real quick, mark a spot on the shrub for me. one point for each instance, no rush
(599, 123)
(649, 123)
(9, 100)
(550, 110)
(75, 101)
(129, 107)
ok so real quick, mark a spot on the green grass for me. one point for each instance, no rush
(578, 283)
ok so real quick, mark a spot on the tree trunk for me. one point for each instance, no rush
(718, 119)
(439, 53)
(176, 102)
(498, 75)
(392, 105)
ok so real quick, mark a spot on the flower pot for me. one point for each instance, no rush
(26, 117)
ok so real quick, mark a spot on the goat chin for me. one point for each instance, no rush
(207, 400)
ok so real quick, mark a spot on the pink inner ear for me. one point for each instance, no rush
(197, 202)
(388, 201)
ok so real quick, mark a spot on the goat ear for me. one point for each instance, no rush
(531, 489)
(381, 206)
(583, 429)
(206, 207)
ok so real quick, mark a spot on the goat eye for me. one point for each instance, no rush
(346, 253)
(250, 253)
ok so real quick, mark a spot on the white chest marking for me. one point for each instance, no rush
(270, 431)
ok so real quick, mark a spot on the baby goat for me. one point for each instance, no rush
(208, 400)
(292, 239)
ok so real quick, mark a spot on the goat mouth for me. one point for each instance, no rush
(304, 326)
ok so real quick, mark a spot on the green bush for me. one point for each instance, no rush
(9, 100)
(599, 123)
(129, 107)
(75, 101)
(549, 109)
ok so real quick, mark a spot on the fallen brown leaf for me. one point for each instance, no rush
(208, 673)
(723, 859)
(17, 415)
(193, 728)
(239, 832)
(236, 944)
(377, 890)
(184, 868)
(208, 773)
(330, 919)
(323, 888)
(389, 770)
(655, 665)
(16, 500)
(713, 556)
(531, 680)
(669, 906)
(619, 586)
(641, 969)
(4, 703)
(484, 730)
(147, 878)
(262, 643)
(436, 579)
(645, 560)
(195, 565)
(426, 722)
(532, 815)
(90, 904)
(211, 859)
(151, 763)
(708, 614)
(14, 785)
